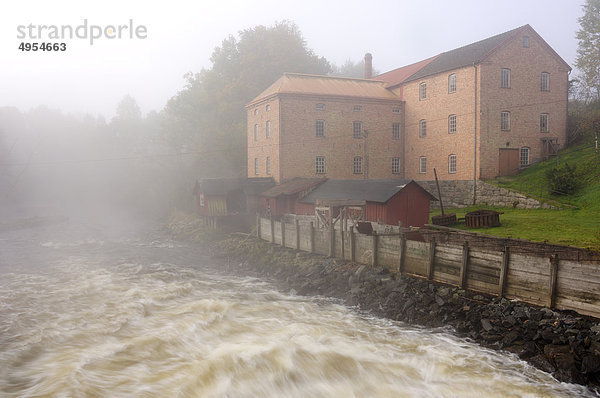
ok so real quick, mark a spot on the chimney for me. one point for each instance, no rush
(368, 66)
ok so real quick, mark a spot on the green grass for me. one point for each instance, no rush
(576, 224)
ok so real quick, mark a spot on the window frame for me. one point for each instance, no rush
(525, 41)
(422, 128)
(505, 78)
(422, 164)
(268, 165)
(268, 129)
(357, 129)
(422, 91)
(256, 132)
(357, 108)
(545, 81)
(320, 106)
(452, 164)
(452, 124)
(395, 165)
(505, 121)
(396, 130)
(320, 128)
(268, 107)
(357, 165)
(452, 83)
(320, 165)
(544, 123)
(524, 150)
(255, 166)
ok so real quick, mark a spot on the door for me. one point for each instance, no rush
(508, 161)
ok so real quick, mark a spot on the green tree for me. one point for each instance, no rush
(208, 114)
(351, 69)
(588, 51)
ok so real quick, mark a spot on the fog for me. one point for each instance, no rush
(124, 122)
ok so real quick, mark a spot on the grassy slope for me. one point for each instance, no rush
(579, 226)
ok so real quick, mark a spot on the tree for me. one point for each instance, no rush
(208, 114)
(351, 69)
(588, 51)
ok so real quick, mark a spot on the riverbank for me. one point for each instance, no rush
(562, 343)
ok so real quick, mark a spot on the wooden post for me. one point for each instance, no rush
(312, 237)
(464, 266)
(503, 271)
(258, 225)
(374, 257)
(431, 259)
(352, 245)
(553, 278)
(402, 252)
(331, 234)
(342, 230)
(282, 232)
(297, 234)
(272, 228)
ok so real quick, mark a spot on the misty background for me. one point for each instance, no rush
(132, 124)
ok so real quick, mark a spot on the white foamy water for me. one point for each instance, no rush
(128, 319)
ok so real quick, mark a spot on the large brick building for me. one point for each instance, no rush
(479, 111)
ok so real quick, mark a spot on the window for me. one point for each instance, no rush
(256, 166)
(268, 165)
(395, 165)
(525, 41)
(524, 156)
(320, 107)
(452, 124)
(268, 107)
(452, 164)
(545, 81)
(505, 78)
(451, 83)
(505, 121)
(544, 123)
(320, 128)
(396, 110)
(422, 128)
(320, 165)
(357, 108)
(357, 130)
(422, 165)
(201, 200)
(268, 129)
(255, 132)
(396, 131)
(357, 169)
(255, 111)
(422, 91)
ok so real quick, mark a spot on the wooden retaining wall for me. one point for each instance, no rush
(509, 271)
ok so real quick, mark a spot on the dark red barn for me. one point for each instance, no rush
(387, 201)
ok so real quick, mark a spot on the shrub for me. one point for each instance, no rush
(562, 180)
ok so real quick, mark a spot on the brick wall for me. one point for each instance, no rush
(524, 100)
(294, 145)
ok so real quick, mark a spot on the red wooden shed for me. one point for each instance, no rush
(387, 201)
(226, 196)
(285, 198)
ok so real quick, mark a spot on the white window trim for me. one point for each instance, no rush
(452, 83)
(422, 162)
(422, 91)
(422, 128)
(502, 124)
(452, 162)
(505, 82)
(451, 124)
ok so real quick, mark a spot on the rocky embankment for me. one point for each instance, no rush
(562, 343)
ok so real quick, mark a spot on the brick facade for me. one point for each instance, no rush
(454, 128)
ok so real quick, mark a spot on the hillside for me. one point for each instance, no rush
(577, 223)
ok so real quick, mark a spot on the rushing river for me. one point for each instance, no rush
(87, 313)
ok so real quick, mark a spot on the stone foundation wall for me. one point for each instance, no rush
(460, 194)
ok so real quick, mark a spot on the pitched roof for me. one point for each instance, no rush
(223, 186)
(379, 191)
(295, 83)
(397, 76)
(293, 186)
(464, 56)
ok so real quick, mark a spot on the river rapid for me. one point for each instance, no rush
(88, 310)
